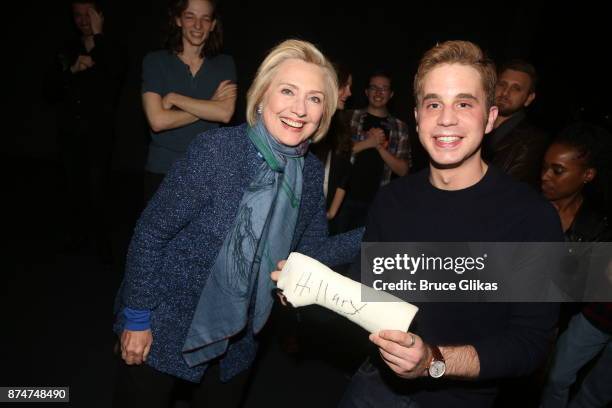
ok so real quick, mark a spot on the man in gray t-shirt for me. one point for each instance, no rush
(187, 88)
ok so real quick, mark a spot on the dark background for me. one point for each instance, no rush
(56, 310)
(568, 44)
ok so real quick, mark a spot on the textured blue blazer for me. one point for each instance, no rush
(179, 234)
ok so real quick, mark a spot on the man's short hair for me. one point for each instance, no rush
(520, 65)
(303, 51)
(381, 73)
(457, 52)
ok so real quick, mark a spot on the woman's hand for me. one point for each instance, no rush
(135, 346)
(275, 275)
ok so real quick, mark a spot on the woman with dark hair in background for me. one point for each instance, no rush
(187, 88)
(334, 150)
(576, 179)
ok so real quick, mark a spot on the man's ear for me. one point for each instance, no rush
(493, 112)
(530, 99)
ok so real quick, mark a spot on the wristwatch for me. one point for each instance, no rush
(437, 365)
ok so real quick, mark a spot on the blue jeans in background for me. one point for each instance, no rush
(578, 345)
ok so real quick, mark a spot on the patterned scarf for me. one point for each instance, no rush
(261, 236)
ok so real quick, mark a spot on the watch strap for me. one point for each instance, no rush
(436, 354)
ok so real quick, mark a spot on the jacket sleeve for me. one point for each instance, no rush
(180, 198)
(332, 251)
(315, 241)
(527, 160)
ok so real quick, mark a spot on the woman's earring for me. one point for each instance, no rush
(260, 109)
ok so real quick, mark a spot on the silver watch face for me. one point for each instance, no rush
(437, 369)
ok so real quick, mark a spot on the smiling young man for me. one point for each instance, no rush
(188, 88)
(456, 352)
(515, 145)
(381, 151)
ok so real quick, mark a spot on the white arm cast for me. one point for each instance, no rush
(305, 281)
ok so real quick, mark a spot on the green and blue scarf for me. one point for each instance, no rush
(261, 235)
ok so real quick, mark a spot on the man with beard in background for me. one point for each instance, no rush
(516, 146)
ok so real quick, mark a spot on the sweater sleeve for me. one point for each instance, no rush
(137, 320)
(315, 240)
(179, 199)
(522, 346)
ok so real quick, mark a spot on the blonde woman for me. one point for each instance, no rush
(197, 286)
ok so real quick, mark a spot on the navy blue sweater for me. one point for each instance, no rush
(179, 234)
(511, 339)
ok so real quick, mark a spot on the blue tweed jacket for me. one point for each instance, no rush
(179, 234)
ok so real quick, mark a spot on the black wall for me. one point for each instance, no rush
(568, 45)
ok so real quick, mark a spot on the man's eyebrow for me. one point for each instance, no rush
(431, 96)
(466, 96)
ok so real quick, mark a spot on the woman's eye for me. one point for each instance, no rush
(286, 91)
(315, 99)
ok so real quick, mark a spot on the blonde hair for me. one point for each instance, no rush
(304, 51)
(457, 52)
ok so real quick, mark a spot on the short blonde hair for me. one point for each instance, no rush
(457, 52)
(304, 51)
